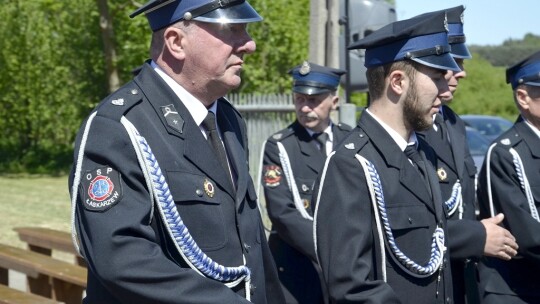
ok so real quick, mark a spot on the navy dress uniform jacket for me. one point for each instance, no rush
(291, 241)
(347, 244)
(511, 277)
(131, 258)
(467, 237)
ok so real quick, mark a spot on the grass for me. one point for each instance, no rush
(33, 201)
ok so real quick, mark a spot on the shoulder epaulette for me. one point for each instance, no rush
(118, 103)
(510, 139)
(280, 135)
(353, 142)
(344, 127)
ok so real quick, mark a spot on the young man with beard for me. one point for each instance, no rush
(293, 158)
(469, 239)
(164, 209)
(379, 226)
(509, 182)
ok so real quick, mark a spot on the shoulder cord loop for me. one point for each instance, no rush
(437, 247)
(287, 171)
(524, 181)
(518, 165)
(455, 201)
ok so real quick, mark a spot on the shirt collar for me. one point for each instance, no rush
(533, 128)
(402, 143)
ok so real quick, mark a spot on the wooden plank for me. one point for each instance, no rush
(44, 240)
(46, 276)
(13, 296)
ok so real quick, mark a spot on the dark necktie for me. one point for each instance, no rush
(413, 154)
(321, 138)
(441, 126)
(209, 124)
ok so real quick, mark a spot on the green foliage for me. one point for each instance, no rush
(282, 42)
(49, 62)
(484, 91)
(510, 52)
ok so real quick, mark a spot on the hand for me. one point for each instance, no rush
(500, 243)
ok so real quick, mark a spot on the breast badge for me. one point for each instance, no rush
(272, 175)
(209, 188)
(442, 174)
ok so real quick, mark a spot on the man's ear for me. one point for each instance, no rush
(398, 82)
(174, 38)
(335, 102)
(522, 98)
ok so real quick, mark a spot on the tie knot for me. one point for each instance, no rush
(209, 122)
(321, 138)
(439, 119)
(412, 153)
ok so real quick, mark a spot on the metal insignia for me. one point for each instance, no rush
(306, 203)
(305, 188)
(445, 22)
(505, 141)
(118, 102)
(272, 175)
(305, 68)
(442, 174)
(174, 120)
(461, 18)
(349, 146)
(209, 188)
(277, 136)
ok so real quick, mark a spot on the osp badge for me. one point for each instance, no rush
(101, 188)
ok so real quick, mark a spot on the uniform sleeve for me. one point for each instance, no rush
(344, 236)
(294, 229)
(466, 238)
(509, 198)
(118, 242)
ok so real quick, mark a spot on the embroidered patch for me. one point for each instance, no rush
(272, 175)
(102, 189)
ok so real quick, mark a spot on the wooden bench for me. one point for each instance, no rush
(46, 276)
(13, 296)
(44, 240)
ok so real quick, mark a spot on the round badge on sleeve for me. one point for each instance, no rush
(101, 189)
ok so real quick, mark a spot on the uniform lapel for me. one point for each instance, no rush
(409, 176)
(443, 150)
(313, 157)
(458, 141)
(236, 154)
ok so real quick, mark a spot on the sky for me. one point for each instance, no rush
(487, 22)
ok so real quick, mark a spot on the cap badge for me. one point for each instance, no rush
(442, 174)
(505, 141)
(461, 18)
(446, 22)
(305, 68)
(209, 188)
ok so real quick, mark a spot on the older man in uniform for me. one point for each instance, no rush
(380, 229)
(293, 157)
(469, 239)
(164, 209)
(508, 183)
